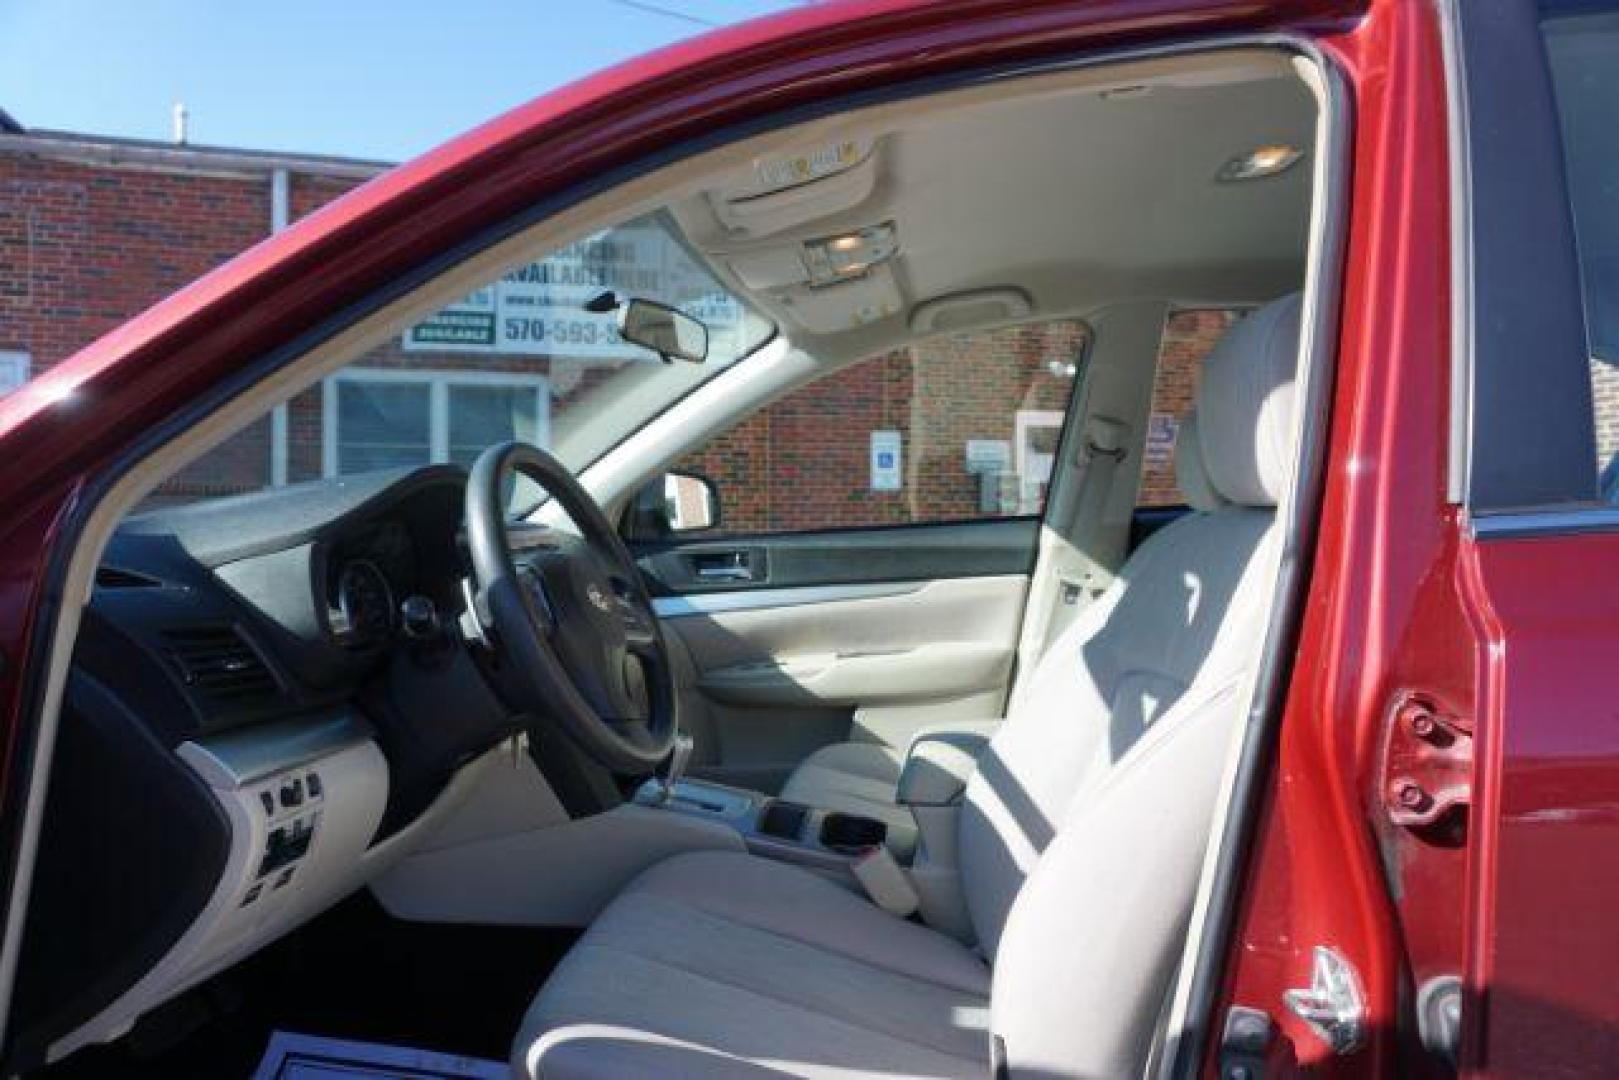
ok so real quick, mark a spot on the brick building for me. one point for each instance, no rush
(93, 230)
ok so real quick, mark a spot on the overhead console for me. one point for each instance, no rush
(786, 190)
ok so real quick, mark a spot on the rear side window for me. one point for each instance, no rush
(1582, 47)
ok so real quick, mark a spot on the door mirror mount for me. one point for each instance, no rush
(667, 331)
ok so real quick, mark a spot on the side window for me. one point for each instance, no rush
(1189, 336)
(1582, 47)
(956, 428)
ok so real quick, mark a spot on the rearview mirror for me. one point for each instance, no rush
(670, 333)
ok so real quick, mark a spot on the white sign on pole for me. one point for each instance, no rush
(538, 309)
(886, 461)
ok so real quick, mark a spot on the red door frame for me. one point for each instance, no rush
(1383, 610)
(69, 434)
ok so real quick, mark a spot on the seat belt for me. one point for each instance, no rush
(1072, 564)
(886, 883)
(1084, 578)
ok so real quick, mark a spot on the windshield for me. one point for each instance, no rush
(520, 357)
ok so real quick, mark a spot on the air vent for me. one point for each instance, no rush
(111, 577)
(219, 664)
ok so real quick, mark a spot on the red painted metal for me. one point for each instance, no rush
(1541, 949)
(1383, 615)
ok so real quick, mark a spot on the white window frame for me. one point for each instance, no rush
(439, 383)
(1024, 422)
(16, 368)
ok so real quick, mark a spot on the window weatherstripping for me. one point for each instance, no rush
(433, 417)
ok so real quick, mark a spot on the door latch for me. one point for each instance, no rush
(1427, 763)
(1334, 1005)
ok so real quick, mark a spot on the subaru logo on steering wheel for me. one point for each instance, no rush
(595, 595)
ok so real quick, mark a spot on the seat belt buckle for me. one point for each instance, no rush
(885, 881)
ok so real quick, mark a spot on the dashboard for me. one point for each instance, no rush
(251, 731)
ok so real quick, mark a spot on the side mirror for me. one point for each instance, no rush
(670, 504)
(670, 333)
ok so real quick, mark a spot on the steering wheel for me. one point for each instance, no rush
(572, 617)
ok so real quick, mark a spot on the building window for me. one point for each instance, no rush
(16, 368)
(378, 418)
(1039, 431)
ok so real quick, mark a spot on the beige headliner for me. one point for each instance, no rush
(1095, 188)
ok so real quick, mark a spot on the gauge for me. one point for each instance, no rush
(364, 615)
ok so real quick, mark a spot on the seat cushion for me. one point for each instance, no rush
(725, 964)
(856, 778)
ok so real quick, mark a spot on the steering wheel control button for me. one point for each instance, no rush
(315, 789)
(268, 802)
(419, 617)
(292, 793)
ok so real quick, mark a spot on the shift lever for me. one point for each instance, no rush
(679, 758)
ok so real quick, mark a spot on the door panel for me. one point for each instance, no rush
(904, 553)
(769, 675)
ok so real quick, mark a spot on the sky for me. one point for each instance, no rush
(358, 78)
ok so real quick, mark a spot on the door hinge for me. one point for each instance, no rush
(1427, 763)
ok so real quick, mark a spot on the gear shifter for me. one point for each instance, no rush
(679, 758)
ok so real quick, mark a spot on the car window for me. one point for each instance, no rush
(519, 357)
(956, 428)
(1189, 336)
(1582, 46)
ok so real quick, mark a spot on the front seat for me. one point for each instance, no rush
(863, 777)
(1081, 839)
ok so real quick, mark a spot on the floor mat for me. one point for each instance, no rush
(291, 1056)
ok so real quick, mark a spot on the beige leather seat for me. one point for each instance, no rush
(863, 777)
(1081, 838)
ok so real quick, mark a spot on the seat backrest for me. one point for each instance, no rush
(1084, 827)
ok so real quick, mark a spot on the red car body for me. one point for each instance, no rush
(1503, 638)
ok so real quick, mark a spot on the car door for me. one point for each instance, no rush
(1544, 541)
(861, 568)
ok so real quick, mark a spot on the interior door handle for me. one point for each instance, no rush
(716, 566)
(725, 573)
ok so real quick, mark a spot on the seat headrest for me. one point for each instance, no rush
(1191, 476)
(1245, 405)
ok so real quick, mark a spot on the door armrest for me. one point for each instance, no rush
(939, 763)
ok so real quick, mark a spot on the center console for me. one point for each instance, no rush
(938, 764)
(823, 840)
